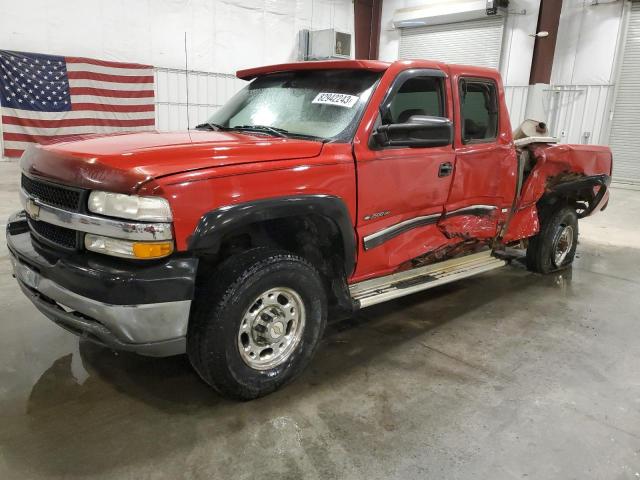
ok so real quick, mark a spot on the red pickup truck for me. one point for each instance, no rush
(319, 189)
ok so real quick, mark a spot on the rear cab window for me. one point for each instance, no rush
(479, 110)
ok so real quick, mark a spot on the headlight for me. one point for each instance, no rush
(147, 209)
(126, 248)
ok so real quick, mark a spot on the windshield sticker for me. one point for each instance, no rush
(337, 99)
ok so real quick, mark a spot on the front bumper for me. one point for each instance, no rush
(137, 306)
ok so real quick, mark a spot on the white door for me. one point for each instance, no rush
(625, 127)
(475, 42)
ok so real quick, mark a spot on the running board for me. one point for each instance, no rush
(378, 290)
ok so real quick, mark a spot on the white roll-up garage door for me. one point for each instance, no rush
(475, 42)
(625, 127)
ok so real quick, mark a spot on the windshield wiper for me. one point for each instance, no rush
(278, 132)
(275, 131)
(211, 126)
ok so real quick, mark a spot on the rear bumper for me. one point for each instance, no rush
(124, 305)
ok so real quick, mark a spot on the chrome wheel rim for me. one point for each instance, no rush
(271, 328)
(563, 246)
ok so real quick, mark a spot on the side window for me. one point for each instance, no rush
(479, 105)
(417, 96)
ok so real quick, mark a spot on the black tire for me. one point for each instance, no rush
(212, 340)
(542, 247)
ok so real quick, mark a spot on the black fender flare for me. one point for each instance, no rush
(214, 225)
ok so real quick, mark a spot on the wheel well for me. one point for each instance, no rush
(552, 201)
(578, 200)
(575, 190)
(314, 237)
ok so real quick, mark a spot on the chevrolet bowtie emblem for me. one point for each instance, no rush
(32, 209)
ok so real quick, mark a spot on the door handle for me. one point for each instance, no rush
(445, 169)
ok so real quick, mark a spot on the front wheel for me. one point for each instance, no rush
(554, 247)
(256, 323)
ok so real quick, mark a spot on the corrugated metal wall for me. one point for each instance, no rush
(207, 92)
(625, 126)
(575, 113)
(516, 100)
(578, 113)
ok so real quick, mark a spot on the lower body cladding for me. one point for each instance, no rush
(137, 307)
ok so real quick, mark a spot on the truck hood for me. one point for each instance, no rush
(122, 162)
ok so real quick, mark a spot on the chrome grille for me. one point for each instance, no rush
(52, 194)
(55, 235)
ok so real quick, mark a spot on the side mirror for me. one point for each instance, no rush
(418, 131)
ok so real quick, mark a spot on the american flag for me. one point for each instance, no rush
(47, 98)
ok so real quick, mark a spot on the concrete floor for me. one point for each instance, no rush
(506, 375)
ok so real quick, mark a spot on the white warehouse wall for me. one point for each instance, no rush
(580, 98)
(222, 37)
(587, 42)
(584, 70)
(517, 47)
(585, 48)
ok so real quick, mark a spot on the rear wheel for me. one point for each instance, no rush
(555, 245)
(257, 323)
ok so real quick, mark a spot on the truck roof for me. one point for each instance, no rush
(372, 65)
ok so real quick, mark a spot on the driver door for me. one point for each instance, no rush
(402, 190)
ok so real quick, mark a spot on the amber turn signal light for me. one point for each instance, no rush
(145, 250)
(126, 248)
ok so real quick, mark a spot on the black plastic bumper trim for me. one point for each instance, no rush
(103, 278)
